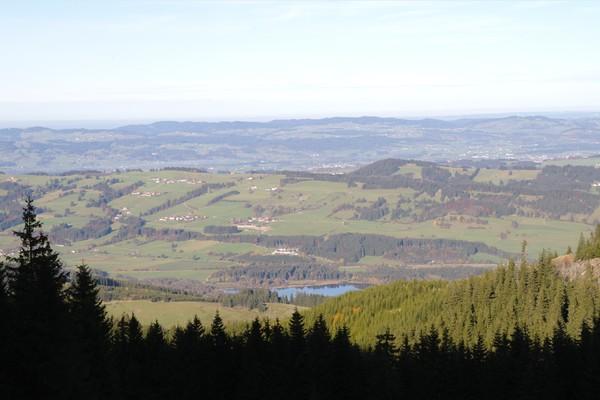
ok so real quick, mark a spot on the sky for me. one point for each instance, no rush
(201, 60)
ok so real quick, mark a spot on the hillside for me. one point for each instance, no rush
(534, 297)
(298, 144)
(389, 220)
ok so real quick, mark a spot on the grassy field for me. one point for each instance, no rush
(303, 208)
(171, 314)
(496, 175)
(590, 161)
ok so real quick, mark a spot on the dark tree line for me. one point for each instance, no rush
(95, 228)
(57, 342)
(204, 189)
(109, 193)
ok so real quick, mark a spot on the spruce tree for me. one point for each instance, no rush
(155, 359)
(581, 248)
(386, 345)
(36, 282)
(297, 331)
(194, 331)
(91, 331)
(155, 341)
(217, 332)
(135, 337)
(318, 337)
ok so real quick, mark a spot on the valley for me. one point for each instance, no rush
(187, 229)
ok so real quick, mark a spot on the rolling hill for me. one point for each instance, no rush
(392, 219)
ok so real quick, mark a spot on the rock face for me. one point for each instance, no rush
(571, 269)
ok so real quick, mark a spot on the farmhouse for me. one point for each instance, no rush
(286, 251)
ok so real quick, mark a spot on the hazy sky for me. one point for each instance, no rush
(126, 60)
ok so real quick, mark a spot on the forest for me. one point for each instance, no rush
(517, 332)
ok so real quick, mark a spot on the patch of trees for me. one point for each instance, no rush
(58, 184)
(258, 299)
(342, 207)
(222, 196)
(307, 299)
(94, 229)
(221, 229)
(86, 172)
(268, 275)
(385, 167)
(351, 247)
(206, 188)
(109, 193)
(390, 274)
(184, 169)
(375, 211)
(110, 289)
(250, 298)
(435, 174)
(482, 206)
(131, 228)
(187, 287)
(557, 203)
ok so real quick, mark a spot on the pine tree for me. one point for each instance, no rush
(341, 340)
(135, 337)
(155, 372)
(254, 335)
(36, 282)
(581, 248)
(318, 339)
(297, 331)
(386, 345)
(91, 332)
(38, 277)
(217, 332)
(193, 333)
(155, 341)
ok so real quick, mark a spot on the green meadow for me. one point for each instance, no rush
(307, 207)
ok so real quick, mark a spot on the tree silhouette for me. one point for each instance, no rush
(36, 281)
(91, 331)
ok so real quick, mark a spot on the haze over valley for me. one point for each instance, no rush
(301, 144)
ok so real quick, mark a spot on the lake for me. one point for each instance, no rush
(325, 290)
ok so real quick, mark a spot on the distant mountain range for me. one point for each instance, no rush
(296, 143)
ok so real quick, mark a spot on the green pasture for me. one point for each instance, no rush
(170, 314)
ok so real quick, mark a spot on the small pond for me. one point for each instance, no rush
(325, 290)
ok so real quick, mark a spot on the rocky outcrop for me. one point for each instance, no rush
(571, 269)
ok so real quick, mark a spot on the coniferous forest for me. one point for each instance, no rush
(519, 332)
